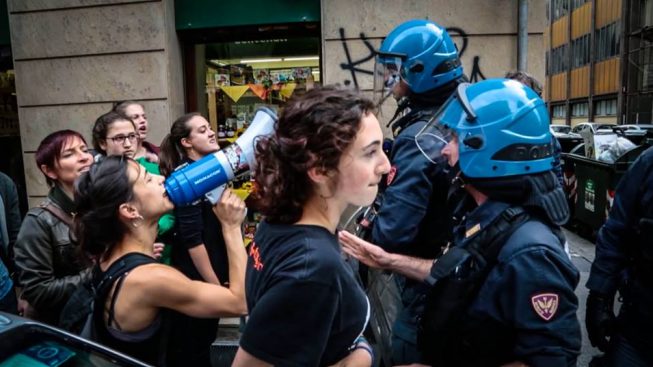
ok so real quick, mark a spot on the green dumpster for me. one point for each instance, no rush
(594, 184)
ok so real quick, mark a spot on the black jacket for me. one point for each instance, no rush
(47, 259)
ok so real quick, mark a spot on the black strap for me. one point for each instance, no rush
(58, 212)
(510, 221)
(484, 248)
(119, 268)
(117, 271)
(114, 297)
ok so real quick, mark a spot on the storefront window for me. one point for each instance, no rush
(242, 76)
(233, 78)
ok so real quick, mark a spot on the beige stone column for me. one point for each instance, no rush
(75, 58)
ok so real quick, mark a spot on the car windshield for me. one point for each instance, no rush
(564, 129)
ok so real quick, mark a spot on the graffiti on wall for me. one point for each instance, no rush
(353, 66)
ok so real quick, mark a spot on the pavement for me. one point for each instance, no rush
(582, 255)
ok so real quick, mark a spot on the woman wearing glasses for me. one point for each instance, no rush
(114, 134)
(45, 251)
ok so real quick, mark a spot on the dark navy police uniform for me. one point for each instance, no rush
(526, 308)
(624, 262)
(306, 308)
(412, 220)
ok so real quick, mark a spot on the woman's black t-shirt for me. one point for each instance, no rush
(306, 308)
(196, 224)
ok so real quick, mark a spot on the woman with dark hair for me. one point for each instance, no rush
(45, 252)
(119, 204)
(198, 249)
(306, 308)
(114, 134)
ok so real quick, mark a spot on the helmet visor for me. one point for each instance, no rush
(438, 132)
(434, 136)
(386, 76)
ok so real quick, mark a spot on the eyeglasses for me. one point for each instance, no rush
(120, 139)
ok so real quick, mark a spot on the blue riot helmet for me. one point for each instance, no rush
(501, 126)
(420, 53)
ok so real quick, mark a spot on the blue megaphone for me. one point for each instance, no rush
(208, 176)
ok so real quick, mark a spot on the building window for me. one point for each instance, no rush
(640, 109)
(577, 3)
(647, 13)
(606, 107)
(559, 8)
(559, 59)
(559, 111)
(606, 42)
(580, 51)
(641, 14)
(579, 109)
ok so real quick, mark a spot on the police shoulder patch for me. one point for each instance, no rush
(545, 305)
(391, 175)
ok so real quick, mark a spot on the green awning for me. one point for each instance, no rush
(200, 14)
(5, 40)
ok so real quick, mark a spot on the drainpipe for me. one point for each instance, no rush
(522, 36)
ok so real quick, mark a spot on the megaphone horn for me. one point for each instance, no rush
(208, 175)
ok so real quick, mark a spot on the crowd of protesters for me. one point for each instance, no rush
(470, 218)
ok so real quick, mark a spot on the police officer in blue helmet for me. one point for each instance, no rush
(624, 263)
(418, 65)
(503, 291)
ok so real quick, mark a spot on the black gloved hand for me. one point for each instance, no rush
(600, 319)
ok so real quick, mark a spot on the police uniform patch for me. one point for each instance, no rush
(545, 305)
(473, 230)
(391, 175)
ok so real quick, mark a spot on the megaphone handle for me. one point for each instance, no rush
(214, 195)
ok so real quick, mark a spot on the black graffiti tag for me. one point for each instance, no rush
(351, 65)
(476, 74)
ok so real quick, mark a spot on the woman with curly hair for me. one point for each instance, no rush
(305, 306)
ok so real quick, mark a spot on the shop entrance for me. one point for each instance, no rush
(243, 68)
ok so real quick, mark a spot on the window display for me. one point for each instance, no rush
(239, 77)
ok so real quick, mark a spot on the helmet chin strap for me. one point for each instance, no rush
(402, 103)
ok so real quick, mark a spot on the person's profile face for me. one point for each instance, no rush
(363, 164)
(149, 191)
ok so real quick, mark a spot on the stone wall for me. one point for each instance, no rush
(75, 58)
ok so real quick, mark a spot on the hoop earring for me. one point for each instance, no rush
(136, 222)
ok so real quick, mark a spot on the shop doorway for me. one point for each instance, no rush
(231, 72)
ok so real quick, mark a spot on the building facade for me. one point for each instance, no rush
(74, 58)
(599, 61)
